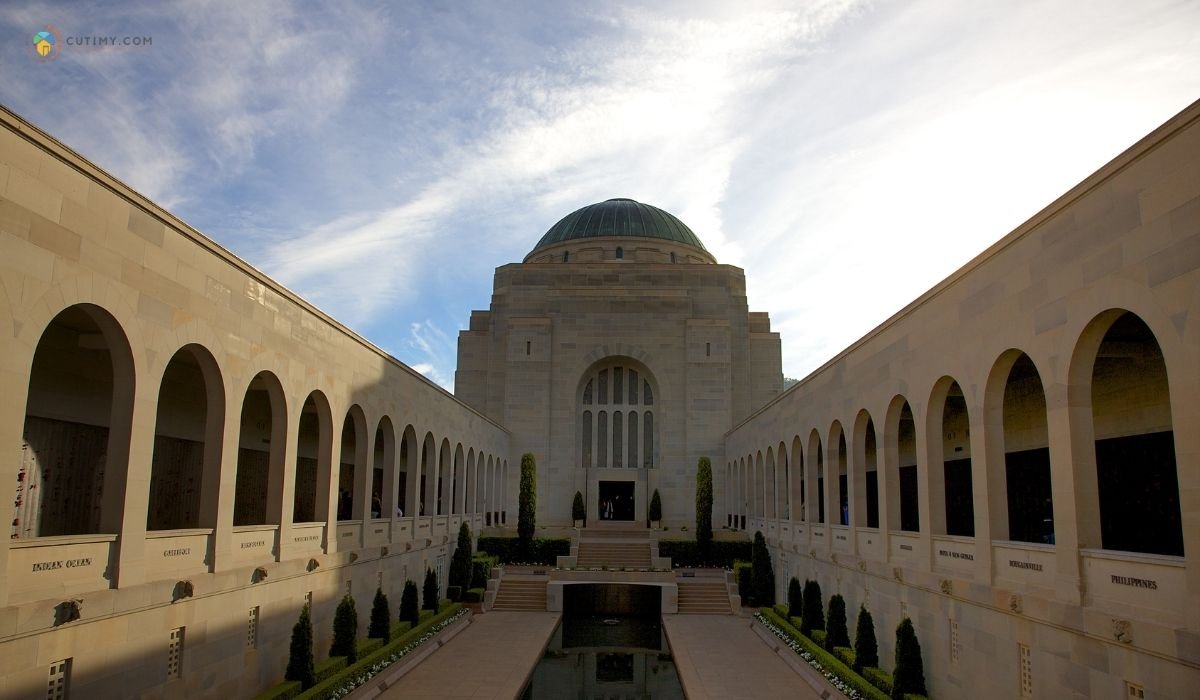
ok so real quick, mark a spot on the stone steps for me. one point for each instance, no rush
(703, 598)
(521, 595)
(613, 555)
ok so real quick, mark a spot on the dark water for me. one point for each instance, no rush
(606, 658)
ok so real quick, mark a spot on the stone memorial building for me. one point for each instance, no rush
(194, 452)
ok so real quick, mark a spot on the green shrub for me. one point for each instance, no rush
(795, 604)
(429, 592)
(345, 630)
(300, 655)
(284, 691)
(835, 624)
(654, 513)
(460, 563)
(578, 509)
(544, 551)
(763, 574)
(328, 668)
(813, 617)
(818, 636)
(866, 650)
(341, 673)
(527, 504)
(721, 555)
(704, 501)
(825, 658)
(879, 678)
(742, 573)
(381, 627)
(845, 654)
(909, 676)
(475, 595)
(409, 612)
(481, 569)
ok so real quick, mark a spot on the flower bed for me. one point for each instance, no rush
(343, 683)
(839, 674)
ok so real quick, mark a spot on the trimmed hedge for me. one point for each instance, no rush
(721, 555)
(846, 655)
(825, 658)
(284, 691)
(333, 681)
(507, 549)
(879, 678)
(819, 637)
(474, 595)
(743, 573)
(481, 569)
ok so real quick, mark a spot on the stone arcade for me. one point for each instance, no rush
(1012, 460)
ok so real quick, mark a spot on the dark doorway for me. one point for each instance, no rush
(616, 500)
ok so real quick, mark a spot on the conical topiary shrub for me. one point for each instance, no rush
(345, 631)
(909, 676)
(835, 624)
(704, 502)
(527, 506)
(381, 622)
(460, 564)
(429, 592)
(409, 610)
(655, 512)
(795, 598)
(578, 509)
(813, 617)
(866, 650)
(300, 656)
(761, 572)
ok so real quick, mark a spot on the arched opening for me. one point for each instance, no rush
(952, 444)
(186, 465)
(470, 498)
(901, 436)
(1137, 482)
(866, 474)
(409, 486)
(817, 478)
(620, 252)
(838, 437)
(71, 478)
(383, 487)
(352, 467)
(769, 486)
(798, 488)
(1027, 508)
(259, 481)
(615, 421)
(428, 503)
(785, 483)
(313, 441)
(443, 479)
(459, 481)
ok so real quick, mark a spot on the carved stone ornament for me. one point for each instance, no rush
(1122, 631)
(1016, 604)
(947, 586)
(260, 574)
(898, 574)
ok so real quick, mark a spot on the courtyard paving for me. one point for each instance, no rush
(492, 658)
(719, 657)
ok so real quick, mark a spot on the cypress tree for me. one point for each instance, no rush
(704, 501)
(813, 617)
(795, 598)
(578, 509)
(345, 631)
(409, 612)
(300, 656)
(838, 635)
(429, 593)
(527, 505)
(909, 676)
(460, 564)
(866, 650)
(381, 623)
(655, 512)
(762, 573)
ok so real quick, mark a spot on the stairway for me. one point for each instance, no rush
(630, 554)
(521, 593)
(703, 598)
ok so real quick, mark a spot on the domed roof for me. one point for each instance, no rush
(620, 217)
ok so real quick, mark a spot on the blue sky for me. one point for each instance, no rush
(381, 159)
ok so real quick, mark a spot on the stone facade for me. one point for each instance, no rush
(683, 329)
(1019, 445)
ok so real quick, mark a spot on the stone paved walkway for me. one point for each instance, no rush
(492, 658)
(719, 657)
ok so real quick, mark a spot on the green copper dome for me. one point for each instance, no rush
(619, 217)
